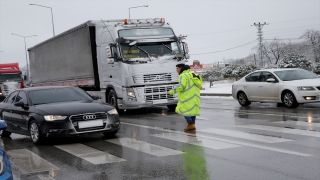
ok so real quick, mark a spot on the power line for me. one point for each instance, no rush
(308, 18)
(226, 49)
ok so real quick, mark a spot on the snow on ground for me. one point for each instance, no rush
(220, 87)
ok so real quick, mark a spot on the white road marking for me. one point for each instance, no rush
(282, 130)
(144, 147)
(89, 154)
(224, 140)
(29, 162)
(299, 123)
(208, 143)
(243, 135)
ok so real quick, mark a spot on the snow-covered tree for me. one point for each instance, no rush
(316, 68)
(292, 60)
(227, 71)
(243, 70)
(212, 74)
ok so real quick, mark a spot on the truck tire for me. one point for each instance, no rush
(112, 100)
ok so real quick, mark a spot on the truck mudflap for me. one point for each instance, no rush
(137, 105)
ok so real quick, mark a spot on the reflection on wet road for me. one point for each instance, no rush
(261, 141)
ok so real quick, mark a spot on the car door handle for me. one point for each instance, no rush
(260, 86)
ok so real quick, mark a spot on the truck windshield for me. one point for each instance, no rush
(10, 77)
(155, 50)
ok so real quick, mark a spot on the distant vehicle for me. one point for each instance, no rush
(5, 165)
(10, 79)
(51, 111)
(130, 63)
(290, 86)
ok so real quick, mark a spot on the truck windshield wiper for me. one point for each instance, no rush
(144, 52)
(172, 51)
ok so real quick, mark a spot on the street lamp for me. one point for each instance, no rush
(25, 47)
(51, 14)
(136, 7)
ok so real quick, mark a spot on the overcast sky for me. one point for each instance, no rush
(210, 26)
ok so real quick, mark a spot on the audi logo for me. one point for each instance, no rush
(88, 117)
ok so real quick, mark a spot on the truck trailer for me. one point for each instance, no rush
(129, 63)
(10, 79)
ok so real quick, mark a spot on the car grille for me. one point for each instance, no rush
(80, 117)
(157, 93)
(318, 87)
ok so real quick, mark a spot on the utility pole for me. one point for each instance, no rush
(259, 26)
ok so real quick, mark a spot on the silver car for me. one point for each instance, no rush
(290, 86)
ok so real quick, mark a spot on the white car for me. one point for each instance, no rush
(290, 86)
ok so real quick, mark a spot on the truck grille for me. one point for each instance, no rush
(9, 87)
(147, 78)
(157, 93)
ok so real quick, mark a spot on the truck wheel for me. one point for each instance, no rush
(172, 107)
(112, 100)
(4, 133)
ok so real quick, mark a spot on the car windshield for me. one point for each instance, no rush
(298, 74)
(155, 50)
(54, 95)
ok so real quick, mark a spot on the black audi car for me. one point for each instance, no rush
(50, 111)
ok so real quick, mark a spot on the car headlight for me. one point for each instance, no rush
(54, 117)
(306, 88)
(130, 92)
(113, 111)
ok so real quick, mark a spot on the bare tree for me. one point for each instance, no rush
(313, 36)
(275, 48)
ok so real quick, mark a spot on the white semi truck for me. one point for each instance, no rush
(130, 64)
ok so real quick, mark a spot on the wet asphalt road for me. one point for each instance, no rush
(261, 141)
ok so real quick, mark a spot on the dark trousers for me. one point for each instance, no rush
(191, 119)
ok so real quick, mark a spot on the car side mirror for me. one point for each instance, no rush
(271, 80)
(19, 104)
(3, 125)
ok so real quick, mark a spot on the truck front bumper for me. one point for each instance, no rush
(137, 105)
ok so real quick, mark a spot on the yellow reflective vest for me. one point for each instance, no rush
(188, 91)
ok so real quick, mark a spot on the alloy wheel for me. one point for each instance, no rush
(34, 132)
(288, 99)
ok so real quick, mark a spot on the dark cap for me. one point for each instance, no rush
(180, 65)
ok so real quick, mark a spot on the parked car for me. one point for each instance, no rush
(290, 86)
(51, 111)
(5, 166)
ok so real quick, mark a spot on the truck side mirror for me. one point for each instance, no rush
(186, 50)
(109, 55)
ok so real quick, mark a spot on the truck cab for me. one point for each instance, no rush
(10, 79)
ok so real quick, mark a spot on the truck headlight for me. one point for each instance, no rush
(306, 88)
(130, 92)
(113, 111)
(54, 117)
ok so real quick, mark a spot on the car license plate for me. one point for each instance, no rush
(161, 101)
(88, 124)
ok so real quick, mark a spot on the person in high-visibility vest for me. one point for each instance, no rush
(188, 91)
